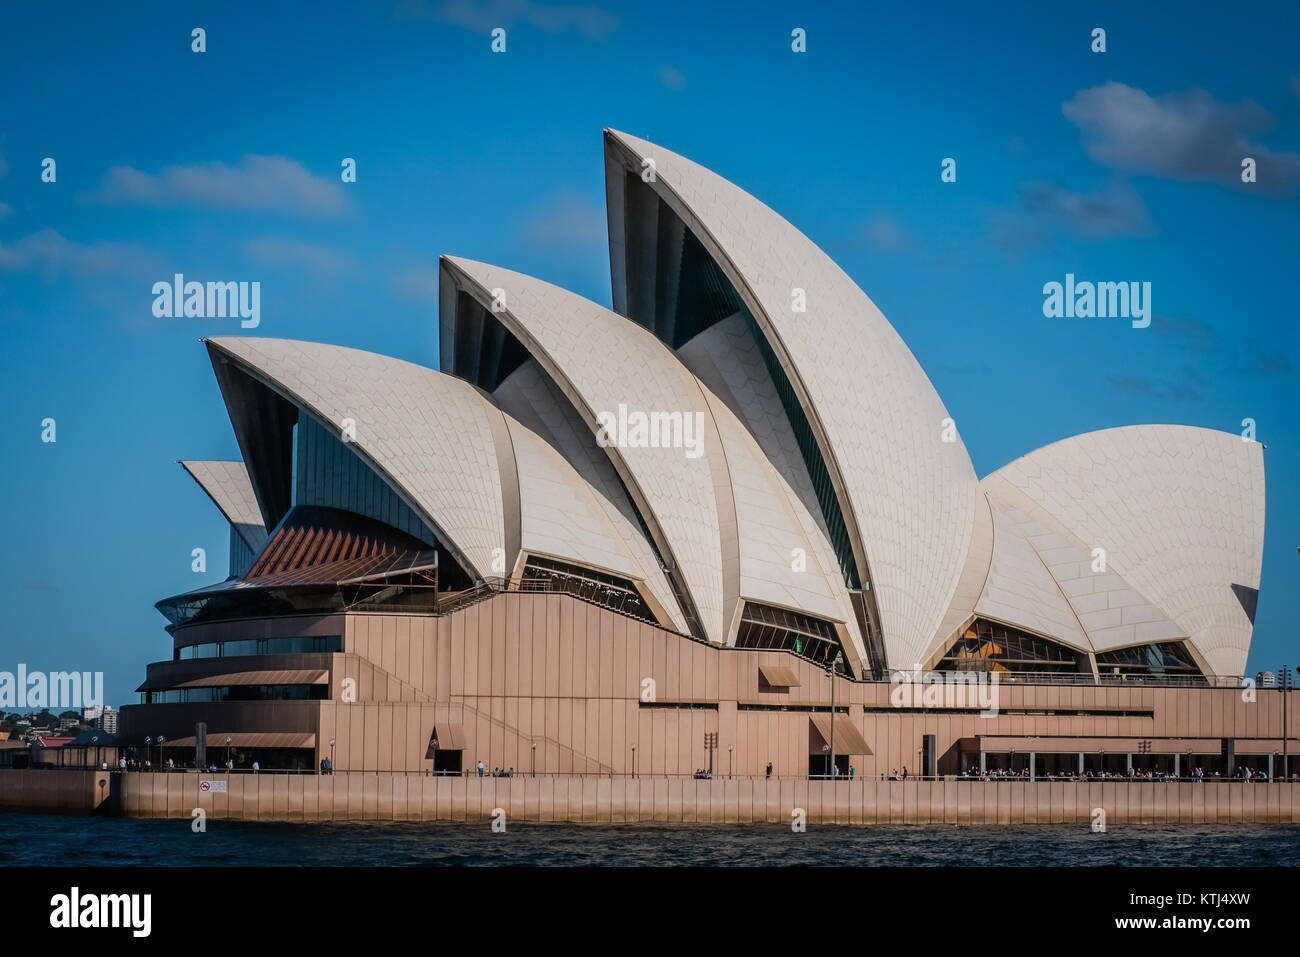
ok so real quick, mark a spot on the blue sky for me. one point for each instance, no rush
(225, 165)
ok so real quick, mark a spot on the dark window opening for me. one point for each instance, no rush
(990, 646)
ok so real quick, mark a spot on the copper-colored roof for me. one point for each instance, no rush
(316, 546)
(848, 740)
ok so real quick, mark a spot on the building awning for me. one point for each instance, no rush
(250, 739)
(778, 676)
(446, 737)
(312, 676)
(848, 740)
(1002, 744)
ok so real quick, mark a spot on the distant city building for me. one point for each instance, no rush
(100, 717)
(597, 539)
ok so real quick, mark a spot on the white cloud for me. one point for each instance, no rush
(567, 220)
(1046, 209)
(1187, 136)
(274, 183)
(672, 77)
(883, 232)
(52, 253)
(417, 284)
(274, 251)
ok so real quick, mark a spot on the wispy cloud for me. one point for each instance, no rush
(5, 210)
(883, 232)
(275, 251)
(672, 78)
(1236, 355)
(483, 16)
(1045, 209)
(53, 254)
(271, 183)
(417, 284)
(1188, 386)
(567, 220)
(1189, 136)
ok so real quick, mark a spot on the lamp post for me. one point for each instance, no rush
(94, 739)
(835, 663)
(331, 755)
(161, 739)
(148, 746)
(230, 766)
(634, 760)
(533, 746)
(730, 749)
(1285, 685)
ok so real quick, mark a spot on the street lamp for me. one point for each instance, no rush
(230, 766)
(1285, 685)
(331, 755)
(161, 739)
(534, 750)
(835, 663)
(94, 739)
(730, 748)
(634, 760)
(148, 746)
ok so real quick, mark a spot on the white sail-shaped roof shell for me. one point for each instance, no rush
(725, 520)
(1123, 537)
(1179, 513)
(907, 496)
(489, 488)
(227, 484)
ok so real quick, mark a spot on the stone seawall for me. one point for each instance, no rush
(396, 797)
(73, 792)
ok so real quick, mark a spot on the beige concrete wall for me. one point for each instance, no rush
(520, 669)
(401, 797)
(48, 790)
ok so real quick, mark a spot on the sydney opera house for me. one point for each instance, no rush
(708, 527)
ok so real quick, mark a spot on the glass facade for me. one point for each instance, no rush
(763, 626)
(327, 473)
(241, 556)
(261, 646)
(237, 693)
(990, 646)
(1158, 661)
(547, 574)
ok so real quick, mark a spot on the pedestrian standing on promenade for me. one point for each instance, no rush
(769, 770)
(256, 767)
(480, 769)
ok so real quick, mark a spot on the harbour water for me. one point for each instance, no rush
(63, 840)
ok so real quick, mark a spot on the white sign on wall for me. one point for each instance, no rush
(215, 787)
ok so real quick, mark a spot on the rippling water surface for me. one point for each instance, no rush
(32, 839)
